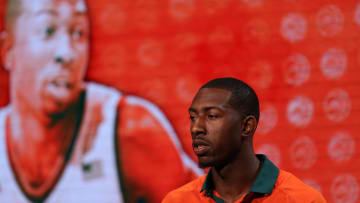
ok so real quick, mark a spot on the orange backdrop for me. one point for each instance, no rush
(302, 58)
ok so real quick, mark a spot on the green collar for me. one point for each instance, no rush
(264, 182)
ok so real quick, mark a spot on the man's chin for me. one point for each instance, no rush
(54, 112)
(53, 104)
(55, 108)
(204, 164)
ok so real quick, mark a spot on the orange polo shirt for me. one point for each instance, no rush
(271, 185)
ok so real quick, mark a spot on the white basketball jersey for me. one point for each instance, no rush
(91, 175)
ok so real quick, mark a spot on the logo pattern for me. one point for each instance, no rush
(303, 153)
(300, 111)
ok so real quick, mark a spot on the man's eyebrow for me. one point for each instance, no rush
(207, 108)
(192, 110)
(46, 11)
(54, 13)
(80, 13)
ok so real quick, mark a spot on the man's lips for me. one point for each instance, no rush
(200, 147)
(64, 82)
(60, 87)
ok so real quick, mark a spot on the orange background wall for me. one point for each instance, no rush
(302, 57)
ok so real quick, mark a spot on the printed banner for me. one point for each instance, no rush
(95, 94)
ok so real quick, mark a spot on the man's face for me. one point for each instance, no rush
(48, 55)
(215, 127)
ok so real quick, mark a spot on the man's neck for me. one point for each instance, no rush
(235, 179)
(28, 129)
(37, 151)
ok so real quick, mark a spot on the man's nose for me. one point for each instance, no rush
(198, 127)
(65, 53)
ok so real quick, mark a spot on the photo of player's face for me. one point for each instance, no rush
(51, 39)
(61, 128)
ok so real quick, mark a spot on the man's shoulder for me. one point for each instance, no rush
(194, 185)
(99, 93)
(295, 189)
(185, 192)
(4, 110)
(96, 91)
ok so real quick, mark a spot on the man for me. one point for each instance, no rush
(65, 140)
(224, 116)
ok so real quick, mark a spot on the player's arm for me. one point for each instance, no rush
(151, 157)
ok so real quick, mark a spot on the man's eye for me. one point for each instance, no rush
(77, 33)
(49, 31)
(192, 118)
(212, 116)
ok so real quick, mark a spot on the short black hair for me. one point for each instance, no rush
(243, 97)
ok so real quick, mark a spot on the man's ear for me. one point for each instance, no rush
(249, 125)
(6, 55)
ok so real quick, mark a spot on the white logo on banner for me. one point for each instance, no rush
(268, 119)
(185, 88)
(181, 9)
(313, 184)
(341, 146)
(333, 63)
(271, 151)
(300, 111)
(296, 69)
(150, 53)
(293, 27)
(337, 105)
(330, 21)
(303, 153)
(261, 75)
(344, 189)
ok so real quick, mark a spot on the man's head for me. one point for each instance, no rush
(224, 115)
(243, 97)
(46, 51)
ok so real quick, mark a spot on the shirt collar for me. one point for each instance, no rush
(266, 179)
(264, 182)
(208, 185)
